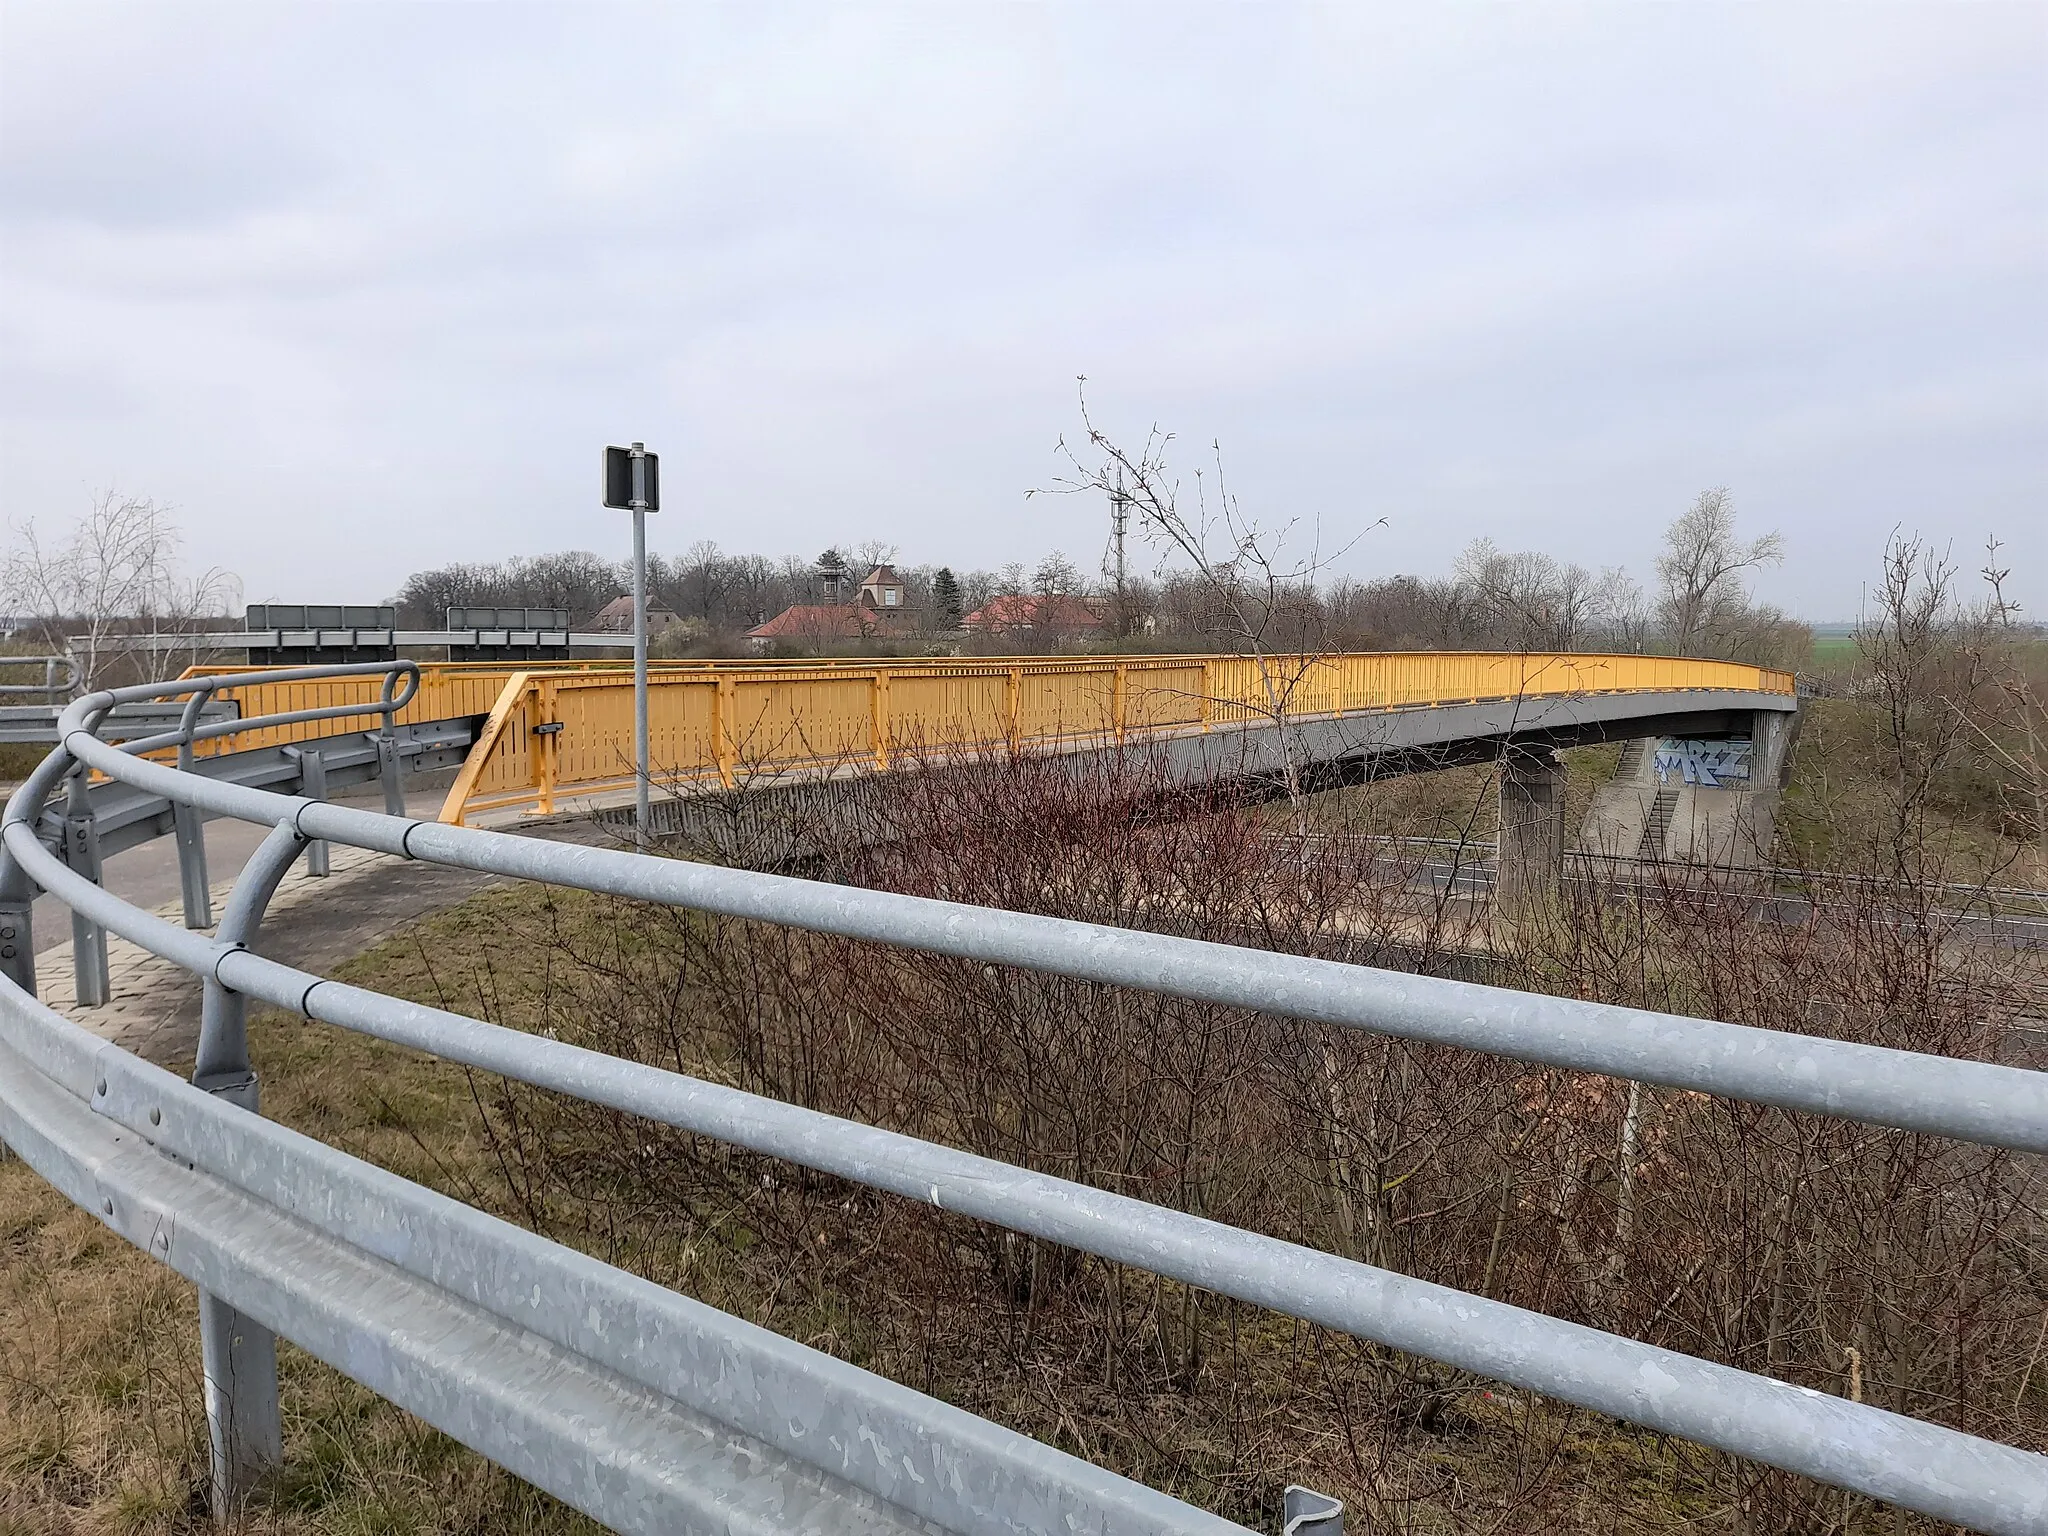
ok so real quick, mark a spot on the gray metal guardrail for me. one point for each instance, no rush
(650, 1411)
(61, 676)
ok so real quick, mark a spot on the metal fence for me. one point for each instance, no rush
(650, 1411)
(551, 734)
(47, 679)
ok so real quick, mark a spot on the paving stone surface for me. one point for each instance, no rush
(153, 1007)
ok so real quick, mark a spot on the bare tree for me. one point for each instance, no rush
(1627, 615)
(1056, 575)
(1532, 602)
(115, 574)
(1927, 661)
(1702, 567)
(573, 579)
(869, 553)
(1261, 601)
(2026, 710)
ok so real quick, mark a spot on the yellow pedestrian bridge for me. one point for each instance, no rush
(542, 738)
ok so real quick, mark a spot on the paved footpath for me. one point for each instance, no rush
(314, 924)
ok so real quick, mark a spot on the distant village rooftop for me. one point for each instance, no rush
(616, 617)
(1023, 614)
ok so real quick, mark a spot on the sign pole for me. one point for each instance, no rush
(632, 482)
(640, 499)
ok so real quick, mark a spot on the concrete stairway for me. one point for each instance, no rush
(1706, 800)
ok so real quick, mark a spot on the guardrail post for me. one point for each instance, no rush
(390, 771)
(82, 853)
(313, 785)
(17, 924)
(238, 1354)
(1119, 697)
(1308, 1513)
(189, 828)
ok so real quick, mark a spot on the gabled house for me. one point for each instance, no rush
(816, 624)
(1054, 617)
(883, 590)
(616, 617)
(879, 610)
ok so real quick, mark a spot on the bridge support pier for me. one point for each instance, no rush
(1531, 862)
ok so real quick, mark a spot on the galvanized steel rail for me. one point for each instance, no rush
(627, 1400)
(60, 679)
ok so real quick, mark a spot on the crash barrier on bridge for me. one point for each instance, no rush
(49, 679)
(650, 1411)
(552, 737)
(447, 690)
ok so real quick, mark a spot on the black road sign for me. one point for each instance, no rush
(618, 478)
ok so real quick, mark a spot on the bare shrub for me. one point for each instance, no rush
(1900, 1269)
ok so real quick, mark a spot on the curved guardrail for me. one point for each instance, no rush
(650, 1411)
(60, 679)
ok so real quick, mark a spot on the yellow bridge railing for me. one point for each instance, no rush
(555, 734)
(448, 691)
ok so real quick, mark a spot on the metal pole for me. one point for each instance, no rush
(17, 924)
(189, 826)
(238, 1355)
(313, 785)
(640, 831)
(82, 853)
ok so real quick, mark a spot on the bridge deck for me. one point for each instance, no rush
(552, 736)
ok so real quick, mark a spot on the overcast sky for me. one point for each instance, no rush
(361, 288)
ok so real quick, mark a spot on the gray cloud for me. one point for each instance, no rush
(363, 287)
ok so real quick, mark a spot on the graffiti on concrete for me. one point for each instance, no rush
(1709, 764)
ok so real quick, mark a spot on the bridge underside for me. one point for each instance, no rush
(794, 816)
(1357, 749)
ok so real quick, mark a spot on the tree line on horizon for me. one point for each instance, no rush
(1494, 598)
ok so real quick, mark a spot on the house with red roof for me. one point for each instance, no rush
(1052, 617)
(879, 611)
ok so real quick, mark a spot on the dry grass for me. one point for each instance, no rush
(1460, 804)
(1977, 823)
(100, 1423)
(101, 1428)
